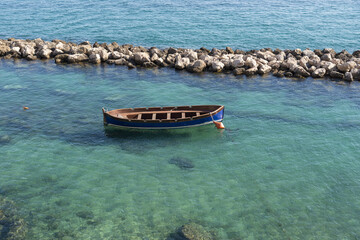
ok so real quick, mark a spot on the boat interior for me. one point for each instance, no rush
(164, 113)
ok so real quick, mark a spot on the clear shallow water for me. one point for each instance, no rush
(286, 167)
(191, 24)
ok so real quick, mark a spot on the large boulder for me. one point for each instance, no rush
(66, 48)
(179, 63)
(319, 73)
(61, 58)
(251, 63)
(335, 74)
(355, 72)
(197, 66)
(4, 49)
(348, 77)
(326, 57)
(193, 56)
(27, 50)
(263, 69)
(44, 53)
(76, 58)
(104, 55)
(94, 58)
(300, 71)
(346, 67)
(141, 57)
(308, 53)
(217, 66)
(156, 51)
(251, 71)
(238, 63)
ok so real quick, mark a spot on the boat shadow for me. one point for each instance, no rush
(164, 134)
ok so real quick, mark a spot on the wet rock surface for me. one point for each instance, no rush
(281, 63)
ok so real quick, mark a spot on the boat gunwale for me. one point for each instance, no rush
(172, 120)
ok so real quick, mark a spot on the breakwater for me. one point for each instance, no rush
(289, 63)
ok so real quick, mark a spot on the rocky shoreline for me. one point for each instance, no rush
(281, 63)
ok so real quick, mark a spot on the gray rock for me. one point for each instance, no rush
(56, 52)
(95, 58)
(156, 51)
(251, 63)
(345, 67)
(326, 57)
(229, 50)
(76, 58)
(61, 58)
(239, 71)
(251, 71)
(308, 53)
(26, 51)
(238, 63)
(181, 162)
(335, 74)
(149, 65)
(355, 73)
(217, 66)
(192, 231)
(159, 62)
(141, 57)
(44, 53)
(172, 50)
(263, 69)
(319, 73)
(104, 55)
(5, 139)
(85, 214)
(300, 71)
(348, 77)
(288, 74)
(154, 57)
(198, 66)
(4, 49)
(279, 73)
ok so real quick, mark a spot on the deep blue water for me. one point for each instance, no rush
(244, 24)
(286, 167)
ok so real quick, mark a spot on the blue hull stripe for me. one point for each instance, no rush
(218, 117)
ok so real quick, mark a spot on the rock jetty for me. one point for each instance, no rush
(289, 63)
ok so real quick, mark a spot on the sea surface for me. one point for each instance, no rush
(286, 166)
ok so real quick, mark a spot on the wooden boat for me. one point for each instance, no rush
(164, 117)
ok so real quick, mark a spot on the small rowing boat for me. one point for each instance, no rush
(165, 117)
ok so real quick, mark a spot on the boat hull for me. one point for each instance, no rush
(111, 121)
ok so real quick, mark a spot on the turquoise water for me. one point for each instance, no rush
(286, 167)
(246, 24)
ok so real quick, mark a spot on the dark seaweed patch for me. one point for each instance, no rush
(181, 162)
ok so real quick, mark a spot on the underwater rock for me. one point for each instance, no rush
(12, 226)
(5, 139)
(182, 163)
(191, 231)
(85, 214)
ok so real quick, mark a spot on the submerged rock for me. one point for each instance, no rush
(5, 139)
(12, 226)
(191, 231)
(182, 163)
(85, 214)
